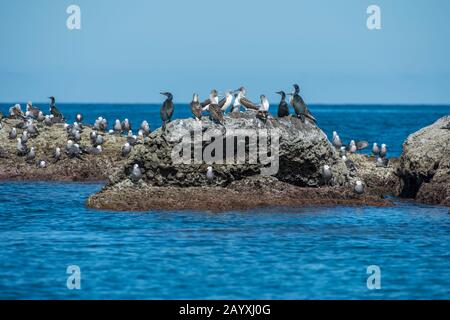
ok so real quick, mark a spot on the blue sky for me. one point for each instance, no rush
(128, 51)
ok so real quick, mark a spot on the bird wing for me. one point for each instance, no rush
(216, 112)
(361, 144)
(222, 102)
(205, 103)
(248, 104)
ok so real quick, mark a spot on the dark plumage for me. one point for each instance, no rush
(54, 111)
(167, 109)
(300, 106)
(196, 107)
(215, 113)
(283, 108)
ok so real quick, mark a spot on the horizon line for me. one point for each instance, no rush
(310, 103)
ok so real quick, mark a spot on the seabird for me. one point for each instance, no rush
(337, 143)
(136, 173)
(24, 137)
(93, 150)
(79, 118)
(244, 101)
(236, 104)
(299, 105)
(145, 127)
(12, 134)
(98, 140)
(196, 107)
(48, 121)
(167, 108)
(126, 149)
(283, 108)
(16, 111)
(73, 150)
(226, 101)
(40, 117)
(215, 113)
(126, 125)
(31, 154)
(326, 174)
(57, 154)
(42, 164)
(93, 136)
(342, 151)
(375, 149)
(382, 162)
(383, 150)
(349, 163)
(131, 138)
(352, 147)
(209, 174)
(31, 128)
(31, 111)
(117, 126)
(359, 187)
(54, 111)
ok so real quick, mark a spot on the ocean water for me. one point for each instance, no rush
(280, 253)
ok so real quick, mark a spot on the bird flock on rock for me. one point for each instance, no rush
(34, 119)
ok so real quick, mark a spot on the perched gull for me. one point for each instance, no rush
(21, 147)
(31, 154)
(126, 149)
(57, 154)
(337, 143)
(326, 174)
(12, 134)
(383, 150)
(349, 163)
(136, 173)
(375, 149)
(209, 174)
(126, 125)
(117, 126)
(359, 187)
(42, 164)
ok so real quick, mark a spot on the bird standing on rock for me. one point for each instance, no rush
(126, 149)
(326, 174)
(12, 134)
(196, 107)
(136, 173)
(283, 108)
(359, 187)
(56, 155)
(209, 174)
(54, 110)
(383, 150)
(167, 109)
(300, 106)
(337, 143)
(375, 149)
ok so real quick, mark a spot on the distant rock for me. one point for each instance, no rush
(424, 166)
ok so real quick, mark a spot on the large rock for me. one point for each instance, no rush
(303, 150)
(425, 164)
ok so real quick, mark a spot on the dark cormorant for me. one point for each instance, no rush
(196, 107)
(283, 108)
(54, 111)
(167, 109)
(299, 105)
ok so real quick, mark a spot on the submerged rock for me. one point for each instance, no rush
(424, 166)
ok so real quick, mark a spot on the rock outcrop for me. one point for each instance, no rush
(424, 166)
(90, 168)
(303, 149)
(302, 152)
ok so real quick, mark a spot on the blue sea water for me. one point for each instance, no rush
(281, 253)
